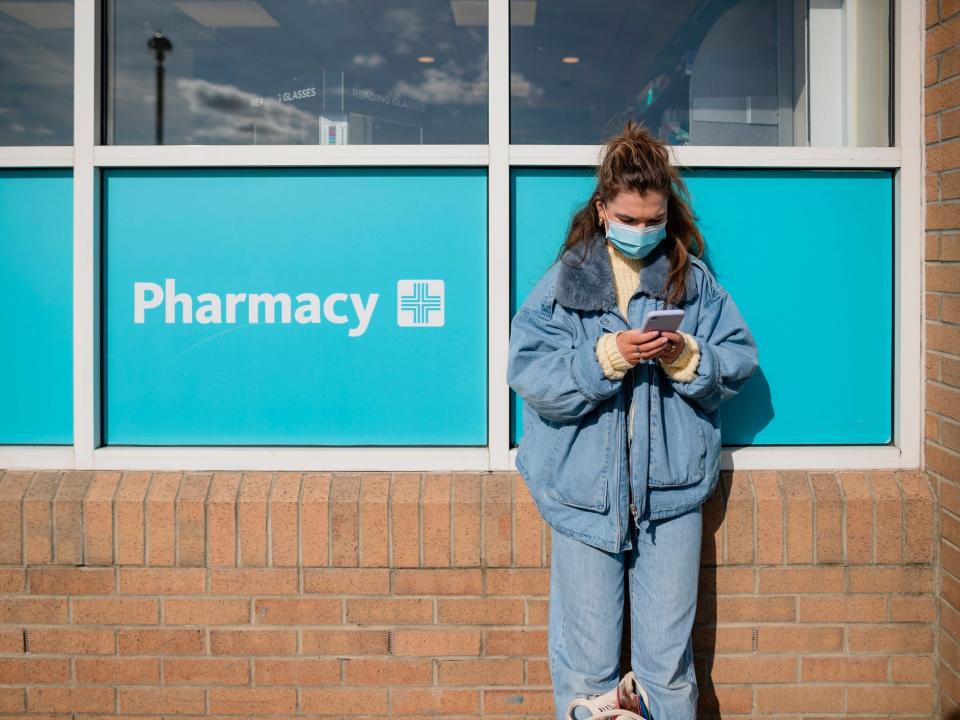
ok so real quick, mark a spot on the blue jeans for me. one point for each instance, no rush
(586, 615)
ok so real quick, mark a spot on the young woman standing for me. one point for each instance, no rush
(621, 431)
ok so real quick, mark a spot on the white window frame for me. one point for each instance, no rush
(87, 159)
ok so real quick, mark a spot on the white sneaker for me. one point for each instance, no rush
(627, 700)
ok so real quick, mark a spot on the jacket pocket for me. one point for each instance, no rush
(581, 460)
(678, 444)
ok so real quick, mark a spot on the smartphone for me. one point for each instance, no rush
(662, 320)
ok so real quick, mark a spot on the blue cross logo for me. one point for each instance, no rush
(420, 303)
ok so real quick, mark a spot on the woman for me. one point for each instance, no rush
(621, 431)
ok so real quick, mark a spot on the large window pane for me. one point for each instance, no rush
(36, 306)
(851, 285)
(702, 72)
(295, 306)
(330, 72)
(36, 73)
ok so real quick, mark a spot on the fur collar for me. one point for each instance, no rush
(586, 283)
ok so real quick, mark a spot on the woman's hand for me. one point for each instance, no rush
(635, 345)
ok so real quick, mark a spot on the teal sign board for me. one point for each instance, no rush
(36, 306)
(333, 306)
(808, 257)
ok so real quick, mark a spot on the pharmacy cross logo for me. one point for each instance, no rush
(420, 303)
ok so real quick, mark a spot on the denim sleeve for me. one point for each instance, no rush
(561, 381)
(728, 352)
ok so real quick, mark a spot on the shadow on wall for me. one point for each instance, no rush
(748, 412)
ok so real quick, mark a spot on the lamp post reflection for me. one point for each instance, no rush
(160, 46)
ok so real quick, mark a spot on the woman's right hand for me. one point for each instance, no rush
(635, 345)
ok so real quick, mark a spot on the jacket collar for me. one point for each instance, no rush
(585, 278)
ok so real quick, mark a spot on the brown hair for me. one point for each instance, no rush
(636, 161)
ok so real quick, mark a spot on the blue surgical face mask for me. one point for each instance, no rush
(635, 242)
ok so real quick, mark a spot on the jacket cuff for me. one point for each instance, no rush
(684, 368)
(614, 365)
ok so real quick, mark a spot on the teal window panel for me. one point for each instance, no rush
(391, 261)
(36, 306)
(808, 257)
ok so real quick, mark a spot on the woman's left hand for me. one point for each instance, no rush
(673, 347)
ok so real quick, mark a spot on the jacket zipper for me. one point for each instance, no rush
(626, 432)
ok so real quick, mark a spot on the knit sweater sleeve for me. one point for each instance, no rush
(614, 365)
(684, 368)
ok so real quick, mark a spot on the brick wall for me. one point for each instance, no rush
(942, 301)
(234, 594)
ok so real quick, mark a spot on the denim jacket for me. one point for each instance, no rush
(585, 477)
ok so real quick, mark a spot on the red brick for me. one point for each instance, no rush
(430, 701)
(375, 520)
(32, 611)
(98, 513)
(206, 671)
(770, 507)
(392, 671)
(405, 519)
(529, 528)
(73, 641)
(162, 581)
(497, 520)
(843, 608)
(436, 520)
(801, 580)
(71, 581)
(347, 581)
(118, 671)
(160, 641)
(253, 581)
(437, 582)
(38, 517)
(480, 612)
(297, 671)
(206, 611)
(253, 701)
(13, 487)
(191, 520)
(105, 611)
(890, 639)
(480, 672)
(345, 519)
(298, 611)
(252, 518)
(390, 611)
(360, 701)
(345, 642)
(222, 519)
(169, 701)
(738, 521)
(314, 519)
(35, 671)
(131, 518)
(159, 518)
(284, 511)
(253, 642)
(71, 700)
(466, 519)
(68, 516)
(446, 641)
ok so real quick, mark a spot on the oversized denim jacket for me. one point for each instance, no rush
(574, 454)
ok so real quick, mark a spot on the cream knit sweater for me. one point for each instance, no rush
(626, 277)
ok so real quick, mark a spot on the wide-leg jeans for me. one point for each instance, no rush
(586, 613)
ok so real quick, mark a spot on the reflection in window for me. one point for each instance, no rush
(702, 72)
(330, 72)
(36, 73)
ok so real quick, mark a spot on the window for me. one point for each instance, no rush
(268, 72)
(714, 72)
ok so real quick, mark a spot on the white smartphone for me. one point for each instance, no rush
(668, 320)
